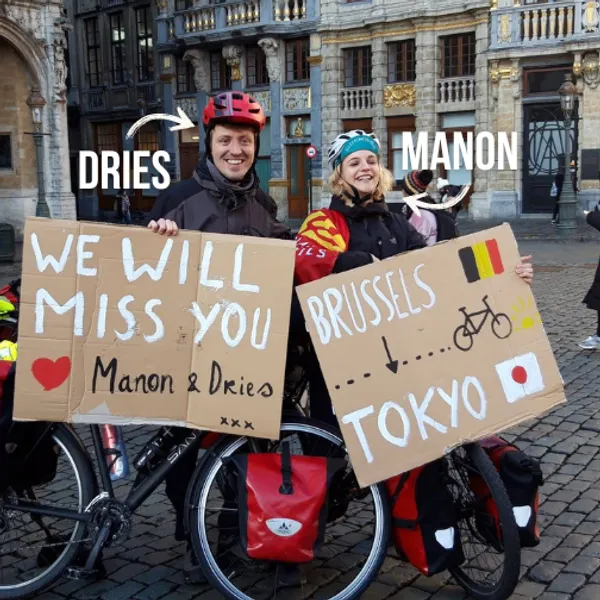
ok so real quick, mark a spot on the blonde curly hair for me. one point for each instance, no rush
(384, 185)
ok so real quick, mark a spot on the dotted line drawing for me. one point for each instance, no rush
(404, 363)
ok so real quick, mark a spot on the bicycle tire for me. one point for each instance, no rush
(72, 447)
(497, 323)
(200, 541)
(466, 335)
(504, 588)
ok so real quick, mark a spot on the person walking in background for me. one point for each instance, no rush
(592, 298)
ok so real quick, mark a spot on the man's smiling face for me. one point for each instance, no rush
(233, 149)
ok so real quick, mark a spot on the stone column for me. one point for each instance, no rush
(233, 54)
(274, 49)
(315, 61)
(501, 200)
(57, 167)
(426, 84)
(331, 84)
(586, 67)
(379, 61)
(201, 62)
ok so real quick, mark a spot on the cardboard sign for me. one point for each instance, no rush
(430, 349)
(121, 325)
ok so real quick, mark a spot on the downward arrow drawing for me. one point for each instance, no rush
(414, 202)
(392, 365)
(183, 122)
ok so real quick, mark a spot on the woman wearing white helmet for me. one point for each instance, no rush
(355, 230)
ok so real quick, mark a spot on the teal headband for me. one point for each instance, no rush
(360, 142)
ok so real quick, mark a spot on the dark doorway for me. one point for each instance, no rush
(544, 153)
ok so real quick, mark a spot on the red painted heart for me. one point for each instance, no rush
(51, 373)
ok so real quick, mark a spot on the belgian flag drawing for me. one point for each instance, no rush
(481, 260)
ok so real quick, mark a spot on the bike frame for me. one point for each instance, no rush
(137, 495)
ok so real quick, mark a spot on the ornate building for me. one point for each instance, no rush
(532, 47)
(114, 81)
(395, 66)
(32, 59)
(267, 48)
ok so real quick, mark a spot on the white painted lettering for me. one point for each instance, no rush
(43, 261)
(401, 315)
(102, 309)
(334, 311)
(237, 272)
(354, 418)
(421, 416)
(159, 331)
(266, 330)
(128, 317)
(214, 284)
(424, 286)
(183, 262)
(76, 302)
(371, 303)
(83, 255)
(402, 442)
(317, 312)
(205, 322)
(473, 381)
(132, 273)
(452, 402)
(233, 309)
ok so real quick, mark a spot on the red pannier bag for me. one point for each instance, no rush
(283, 504)
(424, 519)
(522, 478)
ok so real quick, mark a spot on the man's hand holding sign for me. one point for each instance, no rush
(460, 325)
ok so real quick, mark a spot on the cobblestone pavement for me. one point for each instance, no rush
(566, 565)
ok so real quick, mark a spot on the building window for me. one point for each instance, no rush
(358, 66)
(458, 55)
(545, 81)
(92, 36)
(118, 50)
(185, 76)
(220, 72)
(296, 60)
(401, 61)
(351, 124)
(145, 50)
(256, 67)
(396, 127)
(147, 139)
(5, 151)
(108, 137)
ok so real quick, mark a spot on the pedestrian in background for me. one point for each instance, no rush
(592, 298)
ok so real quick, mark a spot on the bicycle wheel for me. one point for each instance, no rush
(355, 541)
(463, 338)
(34, 549)
(501, 326)
(491, 568)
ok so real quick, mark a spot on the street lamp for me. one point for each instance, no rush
(568, 199)
(36, 103)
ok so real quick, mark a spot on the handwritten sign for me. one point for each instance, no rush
(430, 349)
(121, 325)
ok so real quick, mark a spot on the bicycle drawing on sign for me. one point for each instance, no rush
(463, 335)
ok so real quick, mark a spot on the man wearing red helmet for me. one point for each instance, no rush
(223, 194)
(221, 197)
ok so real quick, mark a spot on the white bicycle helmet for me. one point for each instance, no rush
(334, 156)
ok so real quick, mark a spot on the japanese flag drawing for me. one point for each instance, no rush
(520, 377)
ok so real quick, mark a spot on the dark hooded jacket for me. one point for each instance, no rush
(208, 202)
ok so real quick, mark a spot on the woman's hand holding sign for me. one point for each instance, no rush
(163, 226)
(525, 269)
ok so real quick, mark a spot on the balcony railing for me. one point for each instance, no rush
(121, 97)
(210, 15)
(95, 100)
(548, 23)
(357, 98)
(455, 90)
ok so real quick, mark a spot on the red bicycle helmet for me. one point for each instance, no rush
(233, 107)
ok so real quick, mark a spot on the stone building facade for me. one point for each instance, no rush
(32, 56)
(268, 48)
(532, 47)
(114, 81)
(395, 66)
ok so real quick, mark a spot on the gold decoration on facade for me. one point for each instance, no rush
(498, 73)
(399, 94)
(504, 35)
(494, 5)
(577, 65)
(590, 16)
(236, 74)
(517, 3)
(314, 60)
(495, 75)
(299, 131)
(591, 69)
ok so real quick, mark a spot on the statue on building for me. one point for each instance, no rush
(201, 63)
(60, 67)
(233, 54)
(270, 47)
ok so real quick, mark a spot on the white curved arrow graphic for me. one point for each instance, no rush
(183, 122)
(414, 202)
